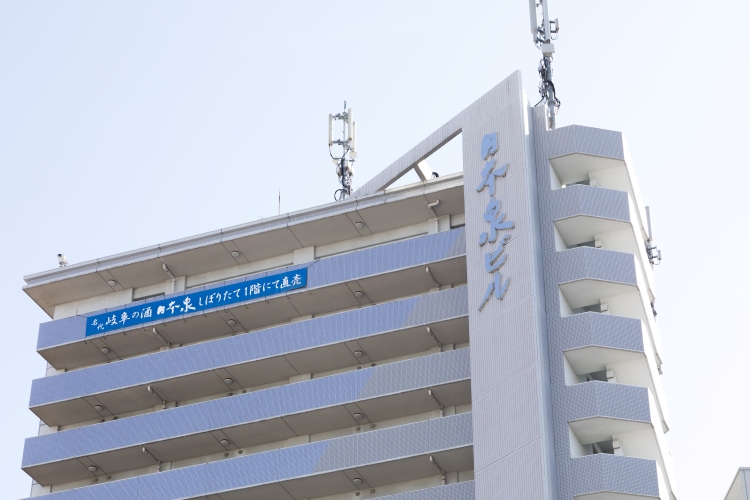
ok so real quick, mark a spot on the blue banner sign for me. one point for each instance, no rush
(198, 301)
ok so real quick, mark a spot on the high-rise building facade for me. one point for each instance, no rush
(739, 490)
(489, 334)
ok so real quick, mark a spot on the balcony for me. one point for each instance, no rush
(587, 277)
(591, 156)
(319, 345)
(581, 214)
(599, 410)
(601, 281)
(316, 406)
(329, 467)
(614, 419)
(380, 332)
(606, 348)
(611, 477)
(380, 273)
(255, 241)
(600, 218)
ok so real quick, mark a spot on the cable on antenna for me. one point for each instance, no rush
(348, 143)
(543, 37)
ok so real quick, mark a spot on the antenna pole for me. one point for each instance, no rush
(543, 40)
(653, 253)
(344, 165)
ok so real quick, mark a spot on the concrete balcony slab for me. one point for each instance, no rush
(255, 240)
(299, 469)
(381, 332)
(315, 406)
(384, 273)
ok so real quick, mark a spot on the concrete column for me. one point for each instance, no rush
(511, 405)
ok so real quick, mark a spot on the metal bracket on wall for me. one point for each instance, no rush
(442, 472)
(161, 338)
(434, 339)
(149, 455)
(442, 408)
(156, 395)
(429, 273)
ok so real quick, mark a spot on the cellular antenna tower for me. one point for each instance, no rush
(348, 143)
(542, 33)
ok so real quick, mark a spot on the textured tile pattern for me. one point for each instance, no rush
(596, 399)
(738, 489)
(350, 266)
(386, 258)
(507, 418)
(584, 263)
(504, 347)
(602, 472)
(580, 200)
(585, 140)
(248, 347)
(586, 200)
(347, 452)
(61, 331)
(590, 329)
(334, 390)
(457, 491)
(511, 401)
(517, 475)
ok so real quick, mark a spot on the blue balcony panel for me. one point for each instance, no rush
(383, 273)
(309, 407)
(595, 476)
(315, 469)
(382, 331)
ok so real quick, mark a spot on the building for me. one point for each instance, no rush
(739, 488)
(498, 344)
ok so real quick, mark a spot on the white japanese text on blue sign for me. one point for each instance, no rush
(197, 301)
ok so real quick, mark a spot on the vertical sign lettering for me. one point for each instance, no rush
(493, 216)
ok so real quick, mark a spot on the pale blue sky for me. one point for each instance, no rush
(124, 124)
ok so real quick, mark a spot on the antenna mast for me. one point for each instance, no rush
(348, 143)
(654, 255)
(543, 38)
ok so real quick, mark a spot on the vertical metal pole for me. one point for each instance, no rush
(550, 88)
(343, 155)
(545, 26)
(343, 173)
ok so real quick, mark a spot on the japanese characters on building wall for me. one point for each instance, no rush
(199, 301)
(496, 258)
